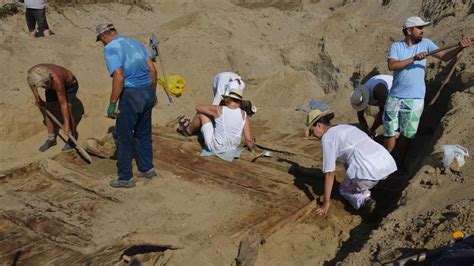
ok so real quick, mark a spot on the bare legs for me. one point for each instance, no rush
(50, 126)
(49, 123)
(401, 142)
(46, 33)
(197, 122)
(73, 123)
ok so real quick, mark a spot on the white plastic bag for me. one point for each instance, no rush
(452, 152)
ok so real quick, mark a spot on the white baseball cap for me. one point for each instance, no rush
(414, 22)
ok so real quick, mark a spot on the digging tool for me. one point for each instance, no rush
(264, 153)
(71, 137)
(446, 80)
(156, 53)
(446, 48)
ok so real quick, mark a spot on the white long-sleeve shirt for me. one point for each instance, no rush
(364, 158)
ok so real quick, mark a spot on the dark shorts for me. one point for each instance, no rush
(36, 16)
(71, 91)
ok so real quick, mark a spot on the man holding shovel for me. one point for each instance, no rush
(134, 80)
(61, 87)
(404, 106)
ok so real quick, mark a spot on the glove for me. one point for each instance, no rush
(111, 110)
(248, 108)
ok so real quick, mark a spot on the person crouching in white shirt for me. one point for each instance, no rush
(366, 161)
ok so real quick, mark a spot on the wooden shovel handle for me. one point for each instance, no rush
(446, 48)
(166, 88)
(71, 137)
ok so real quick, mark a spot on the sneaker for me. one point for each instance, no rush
(148, 174)
(67, 146)
(368, 206)
(117, 183)
(47, 144)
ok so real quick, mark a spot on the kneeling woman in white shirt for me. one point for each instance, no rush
(366, 161)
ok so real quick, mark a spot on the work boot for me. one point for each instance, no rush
(47, 144)
(368, 207)
(148, 174)
(117, 183)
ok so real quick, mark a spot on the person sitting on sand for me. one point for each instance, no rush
(366, 161)
(221, 126)
(60, 87)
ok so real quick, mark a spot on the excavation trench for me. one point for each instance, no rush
(61, 209)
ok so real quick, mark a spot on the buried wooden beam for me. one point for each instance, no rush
(250, 246)
(299, 215)
(76, 178)
(239, 173)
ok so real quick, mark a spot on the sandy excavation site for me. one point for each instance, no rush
(55, 209)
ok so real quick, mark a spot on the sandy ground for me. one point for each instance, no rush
(288, 52)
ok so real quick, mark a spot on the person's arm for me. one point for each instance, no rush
(394, 65)
(445, 56)
(380, 93)
(153, 72)
(362, 121)
(248, 135)
(113, 61)
(377, 121)
(38, 101)
(117, 85)
(208, 109)
(328, 184)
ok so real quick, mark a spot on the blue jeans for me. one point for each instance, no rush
(134, 124)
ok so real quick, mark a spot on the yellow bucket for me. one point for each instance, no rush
(176, 84)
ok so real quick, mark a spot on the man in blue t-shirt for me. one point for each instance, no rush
(134, 80)
(407, 60)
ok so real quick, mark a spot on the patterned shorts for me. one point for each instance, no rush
(402, 115)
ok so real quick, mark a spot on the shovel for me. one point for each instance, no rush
(71, 137)
(264, 153)
(156, 53)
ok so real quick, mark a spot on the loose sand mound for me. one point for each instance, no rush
(288, 52)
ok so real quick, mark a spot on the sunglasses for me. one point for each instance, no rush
(419, 27)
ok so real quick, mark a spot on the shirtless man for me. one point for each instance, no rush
(61, 87)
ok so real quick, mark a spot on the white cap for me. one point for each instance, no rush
(414, 22)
